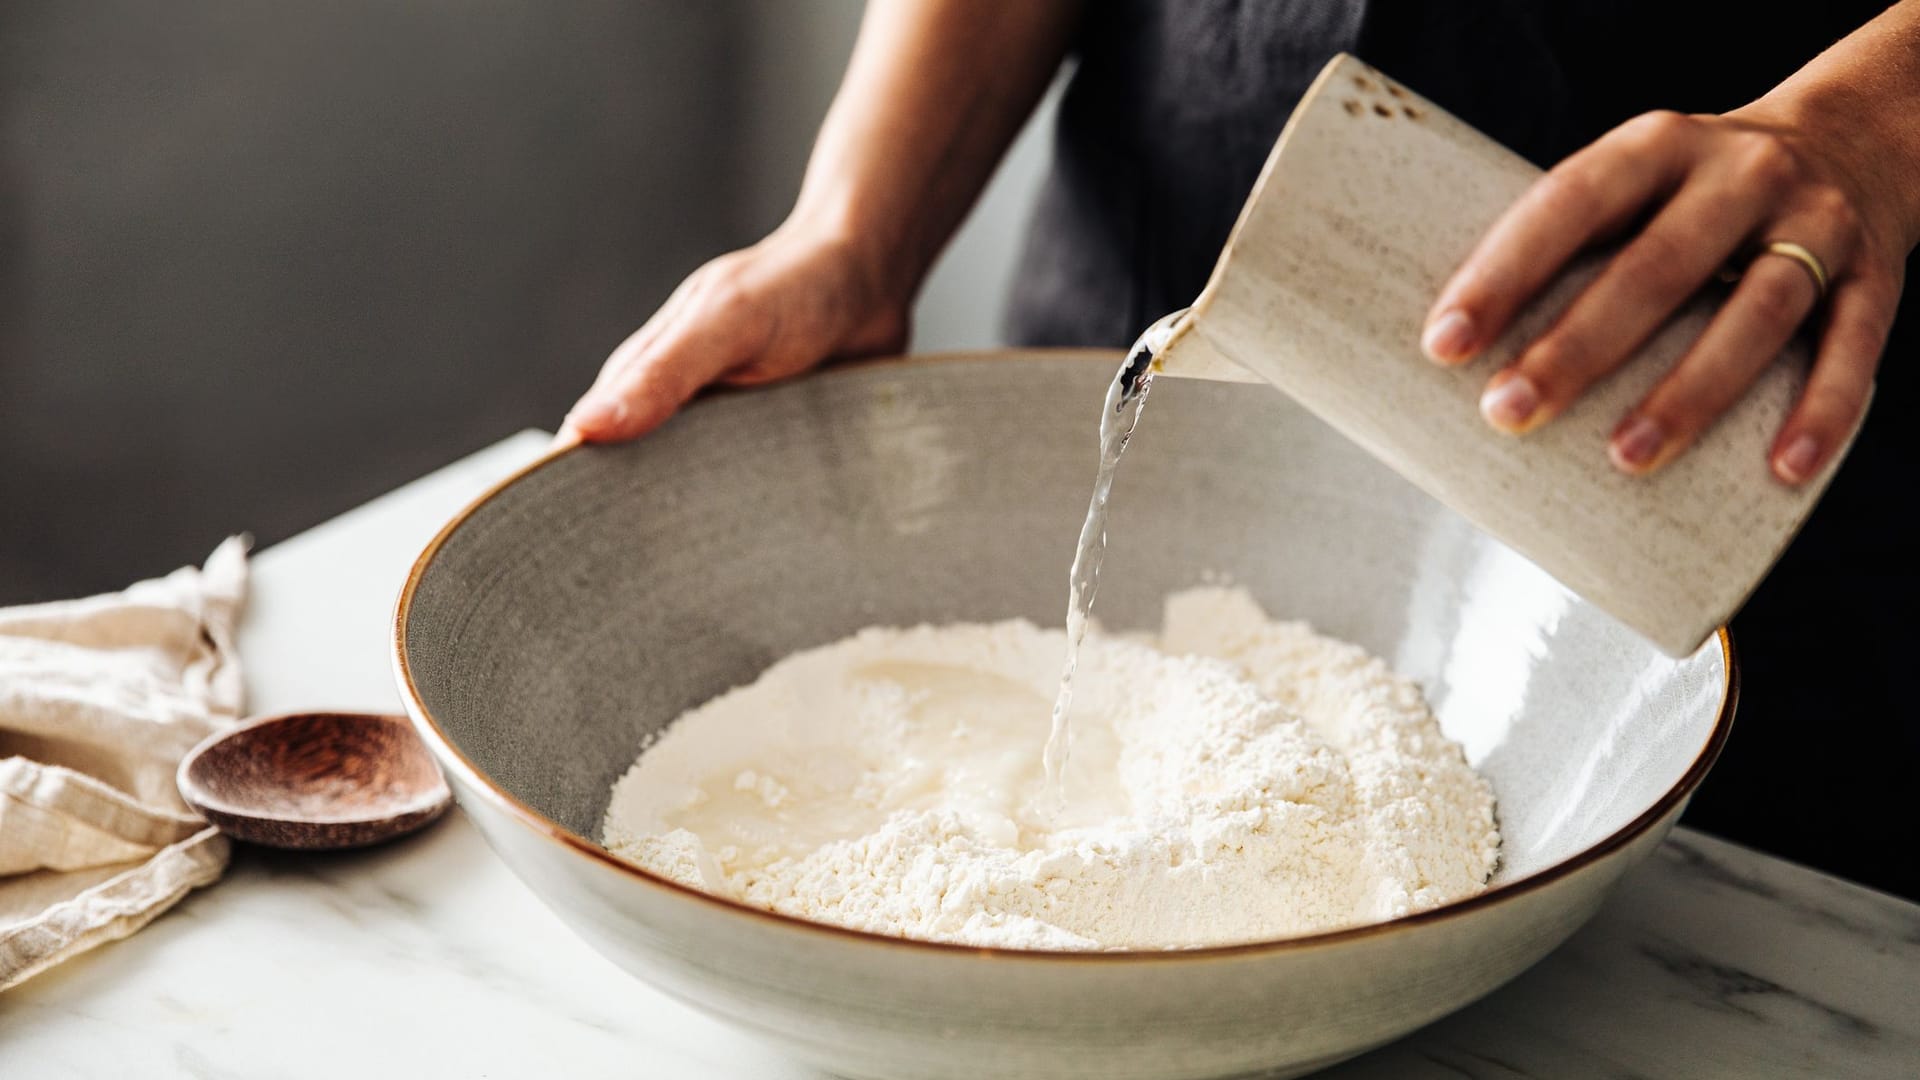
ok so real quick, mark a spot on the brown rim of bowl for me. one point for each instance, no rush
(456, 763)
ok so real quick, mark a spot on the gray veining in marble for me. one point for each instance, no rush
(1710, 961)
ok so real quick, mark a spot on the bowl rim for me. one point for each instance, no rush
(455, 762)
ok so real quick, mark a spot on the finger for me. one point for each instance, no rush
(703, 330)
(1591, 194)
(670, 370)
(1772, 300)
(1837, 390)
(601, 411)
(1685, 244)
(660, 367)
(628, 352)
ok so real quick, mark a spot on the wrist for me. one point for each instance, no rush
(876, 258)
(857, 255)
(1861, 132)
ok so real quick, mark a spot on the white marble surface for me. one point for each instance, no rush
(428, 958)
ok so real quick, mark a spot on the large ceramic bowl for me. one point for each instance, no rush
(588, 601)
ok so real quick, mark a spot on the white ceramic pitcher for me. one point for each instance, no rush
(1369, 201)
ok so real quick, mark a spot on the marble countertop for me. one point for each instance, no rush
(428, 958)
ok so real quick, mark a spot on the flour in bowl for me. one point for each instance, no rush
(1234, 779)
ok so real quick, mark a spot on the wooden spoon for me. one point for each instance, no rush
(315, 780)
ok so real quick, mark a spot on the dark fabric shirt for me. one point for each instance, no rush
(1165, 124)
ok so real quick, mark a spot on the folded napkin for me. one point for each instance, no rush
(99, 700)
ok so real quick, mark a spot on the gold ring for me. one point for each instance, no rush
(1807, 259)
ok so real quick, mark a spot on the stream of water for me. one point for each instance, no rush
(1126, 399)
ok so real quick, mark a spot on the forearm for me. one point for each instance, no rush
(933, 95)
(1862, 97)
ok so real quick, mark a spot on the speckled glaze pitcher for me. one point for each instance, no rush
(1370, 199)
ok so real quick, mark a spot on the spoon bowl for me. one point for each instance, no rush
(314, 781)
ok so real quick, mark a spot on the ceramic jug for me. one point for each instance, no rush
(1370, 199)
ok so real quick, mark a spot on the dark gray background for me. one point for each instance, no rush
(260, 262)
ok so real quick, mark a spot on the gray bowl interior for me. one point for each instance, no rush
(595, 599)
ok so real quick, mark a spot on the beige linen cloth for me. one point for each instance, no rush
(99, 700)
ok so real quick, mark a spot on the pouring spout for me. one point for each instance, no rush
(1176, 349)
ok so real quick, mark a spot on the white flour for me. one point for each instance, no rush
(1239, 779)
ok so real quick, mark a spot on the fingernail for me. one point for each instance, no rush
(1797, 462)
(1448, 337)
(1509, 404)
(597, 414)
(1635, 445)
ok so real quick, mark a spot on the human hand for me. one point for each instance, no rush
(1710, 190)
(769, 311)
